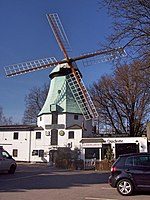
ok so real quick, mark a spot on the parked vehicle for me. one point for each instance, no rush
(131, 172)
(7, 163)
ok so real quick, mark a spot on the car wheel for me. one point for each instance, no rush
(125, 187)
(12, 169)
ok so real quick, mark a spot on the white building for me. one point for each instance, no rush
(61, 123)
(119, 145)
(33, 144)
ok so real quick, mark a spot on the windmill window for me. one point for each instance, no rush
(76, 117)
(54, 137)
(16, 136)
(54, 118)
(38, 135)
(71, 135)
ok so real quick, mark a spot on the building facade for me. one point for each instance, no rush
(62, 122)
(34, 144)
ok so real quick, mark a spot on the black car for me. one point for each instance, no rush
(131, 172)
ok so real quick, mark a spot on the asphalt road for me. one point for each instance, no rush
(41, 182)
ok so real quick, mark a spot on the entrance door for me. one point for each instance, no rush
(52, 156)
(105, 148)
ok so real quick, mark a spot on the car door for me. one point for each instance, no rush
(138, 167)
(142, 166)
(141, 172)
(5, 161)
(2, 163)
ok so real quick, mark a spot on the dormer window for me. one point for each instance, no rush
(76, 117)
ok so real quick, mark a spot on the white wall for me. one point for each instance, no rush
(27, 142)
(43, 120)
(64, 140)
(21, 144)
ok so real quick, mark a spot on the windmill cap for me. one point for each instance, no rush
(63, 70)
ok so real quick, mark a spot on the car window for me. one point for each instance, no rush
(5, 154)
(129, 161)
(119, 162)
(142, 161)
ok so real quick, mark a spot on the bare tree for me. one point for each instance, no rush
(131, 25)
(123, 99)
(34, 102)
(3, 119)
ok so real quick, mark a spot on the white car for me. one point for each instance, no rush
(7, 163)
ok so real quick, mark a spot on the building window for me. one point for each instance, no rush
(38, 135)
(40, 118)
(16, 135)
(71, 135)
(15, 152)
(35, 153)
(41, 153)
(54, 137)
(91, 153)
(76, 117)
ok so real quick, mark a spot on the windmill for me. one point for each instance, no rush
(69, 68)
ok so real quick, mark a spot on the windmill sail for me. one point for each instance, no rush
(74, 80)
(103, 56)
(59, 33)
(29, 66)
(82, 98)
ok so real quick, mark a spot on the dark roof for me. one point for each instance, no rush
(92, 140)
(74, 126)
(20, 128)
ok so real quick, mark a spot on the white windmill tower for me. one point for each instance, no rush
(68, 101)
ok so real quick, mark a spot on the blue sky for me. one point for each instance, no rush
(26, 35)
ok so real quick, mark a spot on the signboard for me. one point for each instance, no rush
(114, 141)
(92, 145)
